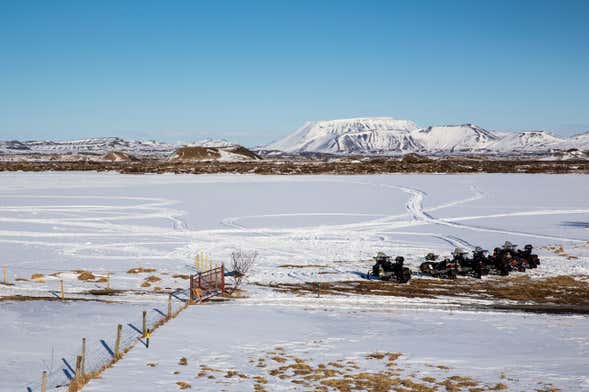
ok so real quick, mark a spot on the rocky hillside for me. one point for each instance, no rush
(200, 153)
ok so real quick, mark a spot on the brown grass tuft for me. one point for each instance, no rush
(183, 385)
(140, 270)
(85, 275)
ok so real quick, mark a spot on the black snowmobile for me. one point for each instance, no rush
(385, 269)
(475, 267)
(504, 260)
(527, 258)
(445, 269)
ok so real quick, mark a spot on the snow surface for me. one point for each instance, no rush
(487, 346)
(107, 222)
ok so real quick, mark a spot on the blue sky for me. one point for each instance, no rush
(252, 71)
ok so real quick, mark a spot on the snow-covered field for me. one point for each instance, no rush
(56, 223)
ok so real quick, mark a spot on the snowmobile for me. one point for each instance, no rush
(386, 270)
(445, 269)
(527, 258)
(475, 267)
(503, 260)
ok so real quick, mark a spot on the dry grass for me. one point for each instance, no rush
(85, 275)
(562, 290)
(183, 385)
(345, 375)
(38, 278)
(181, 276)
(105, 291)
(183, 361)
(152, 279)
(140, 270)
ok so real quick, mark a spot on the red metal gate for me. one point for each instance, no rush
(207, 284)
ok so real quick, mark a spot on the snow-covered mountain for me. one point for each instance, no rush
(102, 146)
(98, 146)
(350, 136)
(454, 138)
(385, 135)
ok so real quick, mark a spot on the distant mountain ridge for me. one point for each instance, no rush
(385, 135)
(353, 136)
(101, 146)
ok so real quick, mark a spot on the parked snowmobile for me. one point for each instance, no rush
(499, 263)
(504, 260)
(527, 258)
(384, 269)
(476, 267)
(444, 269)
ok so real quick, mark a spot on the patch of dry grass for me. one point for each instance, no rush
(183, 385)
(561, 290)
(140, 270)
(85, 275)
(38, 278)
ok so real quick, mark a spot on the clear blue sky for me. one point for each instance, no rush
(252, 71)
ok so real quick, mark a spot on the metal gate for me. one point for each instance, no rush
(207, 284)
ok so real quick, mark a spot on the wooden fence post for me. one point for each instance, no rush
(118, 341)
(144, 323)
(83, 364)
(169, 306)
(78, 366)
(44, 381)
(61, 289)
(4, 274)
(223, 278)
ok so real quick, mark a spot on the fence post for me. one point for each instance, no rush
(4, 274)
(61, 289)
(190, 297)
(78, 366)
(144, 323)
(222, 277)
(83, 364)
(44, 381)
(118, 341)
(169, 306)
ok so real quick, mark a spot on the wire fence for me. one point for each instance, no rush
(103, 353)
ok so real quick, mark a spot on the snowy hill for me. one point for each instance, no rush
(349, 136)
(102, 146)
(385, 135)
(466, 137)
(97, 146)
